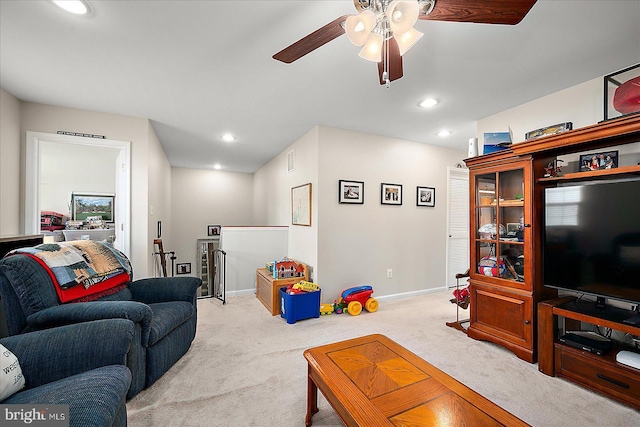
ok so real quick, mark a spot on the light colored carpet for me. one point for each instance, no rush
(246, 368)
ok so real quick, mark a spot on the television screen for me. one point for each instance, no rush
(592, 239)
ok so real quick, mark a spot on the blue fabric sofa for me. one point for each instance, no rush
(162, 309)
(80, 365)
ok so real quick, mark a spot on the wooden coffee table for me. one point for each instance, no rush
(373, 381)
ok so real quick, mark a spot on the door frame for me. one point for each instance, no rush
(123, 182)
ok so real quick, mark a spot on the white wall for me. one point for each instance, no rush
(581, 104)
(206, 197)
(159, 195)
(272, 197)
(48, 118)
(358, 243)
(66, 169)
(9, 164)
(355, 244)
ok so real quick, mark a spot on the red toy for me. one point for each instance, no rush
(357, 297)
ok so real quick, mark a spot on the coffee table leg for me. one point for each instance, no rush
(312, 399)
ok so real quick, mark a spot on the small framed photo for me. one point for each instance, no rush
(426, 196)
(391, 194)
(598, 161)
(183, 268)
(213, 230)
(351, 192)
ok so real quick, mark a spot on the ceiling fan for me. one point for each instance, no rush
(385, 28)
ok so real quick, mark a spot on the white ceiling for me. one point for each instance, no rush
(198, 69)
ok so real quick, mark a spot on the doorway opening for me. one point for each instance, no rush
(81, 154)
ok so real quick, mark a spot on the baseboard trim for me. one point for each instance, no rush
(402, 295)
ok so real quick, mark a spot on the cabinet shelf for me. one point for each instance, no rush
(621, 172)
(602, 374)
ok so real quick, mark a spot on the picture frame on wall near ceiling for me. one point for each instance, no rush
(84, 205)
(213, 230)
(301, 205)
(391, 194)
(426, 196)
(351, 192)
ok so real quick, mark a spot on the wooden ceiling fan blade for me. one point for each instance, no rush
(395, 62)
(311, 42)
(508, 12)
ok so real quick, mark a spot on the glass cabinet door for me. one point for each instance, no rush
(499, 217)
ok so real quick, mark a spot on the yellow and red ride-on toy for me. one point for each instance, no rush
(357, 297)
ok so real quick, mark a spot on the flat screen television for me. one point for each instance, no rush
(592, 239)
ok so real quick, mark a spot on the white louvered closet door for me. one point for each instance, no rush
(457, 224)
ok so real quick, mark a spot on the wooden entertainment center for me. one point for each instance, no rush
(506, 280)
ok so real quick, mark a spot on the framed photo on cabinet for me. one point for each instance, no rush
(351, 192)
(426, 196)
(391, 194)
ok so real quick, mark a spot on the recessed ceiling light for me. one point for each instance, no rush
(429, 102)
(217, 166)
(444, 133)
(78, 7)
(227, 137)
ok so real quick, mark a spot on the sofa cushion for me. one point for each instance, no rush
(166, 317)
(11, 378)
(94, 397)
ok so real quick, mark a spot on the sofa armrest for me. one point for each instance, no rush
(57, 353)
(165, 289)
(67, 314)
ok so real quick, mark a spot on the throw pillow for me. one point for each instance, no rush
(11, 379)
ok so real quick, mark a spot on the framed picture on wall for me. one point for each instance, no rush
(301, 205)
(426, 196)
(92, 205)
(351, 192)
(391, 194)
(183, 268)
(213, 230)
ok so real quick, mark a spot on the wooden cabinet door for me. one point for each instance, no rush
(503, 316)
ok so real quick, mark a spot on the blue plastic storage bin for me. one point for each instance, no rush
(299, 306)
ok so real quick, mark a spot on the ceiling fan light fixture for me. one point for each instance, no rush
(358, 27)
(77, 7)
(372, 49)
(407, 39)
(402, 15)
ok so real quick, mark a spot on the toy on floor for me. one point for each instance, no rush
(326, 309)
(357, 297)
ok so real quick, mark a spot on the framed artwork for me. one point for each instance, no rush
(598, 161)
(213, 230)
(426, 196)
(301, 205)
(183, 268)
(91, 205)
(391, 194)
(351, 192)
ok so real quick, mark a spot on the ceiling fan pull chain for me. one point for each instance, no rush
(385, 75)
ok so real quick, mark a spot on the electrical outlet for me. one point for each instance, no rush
(389, 273)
